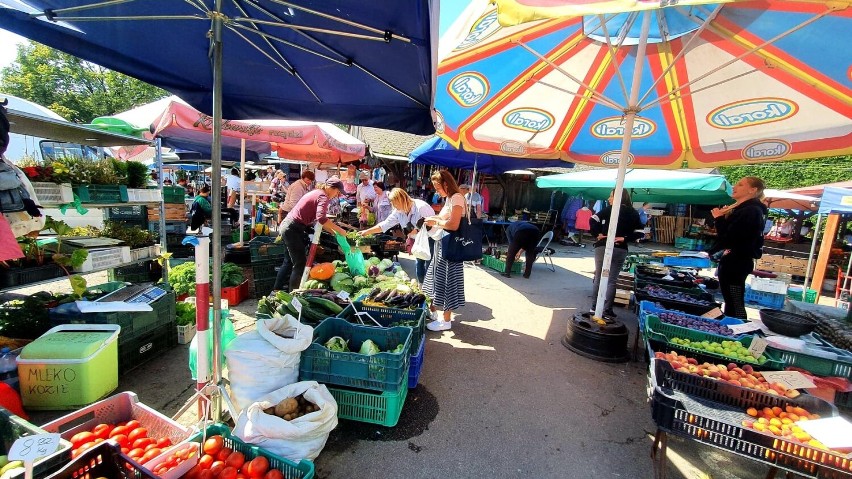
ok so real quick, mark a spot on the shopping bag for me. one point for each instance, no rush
(227, 334)
(420, 249)
(354, 257)
(465, 243)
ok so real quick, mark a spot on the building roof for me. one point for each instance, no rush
(389, 142)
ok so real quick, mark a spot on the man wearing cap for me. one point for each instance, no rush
(312, 207)
(473, 200)
(365, 192)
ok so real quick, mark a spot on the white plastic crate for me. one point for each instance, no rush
(144, 253)
(185, 333)
(144, 195)
(53, 194)
(105, 258)
(768, 285)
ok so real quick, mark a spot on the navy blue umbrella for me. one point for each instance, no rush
(436, 151)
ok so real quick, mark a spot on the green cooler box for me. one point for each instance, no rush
(70, 366)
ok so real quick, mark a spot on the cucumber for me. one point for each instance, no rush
(329, 306)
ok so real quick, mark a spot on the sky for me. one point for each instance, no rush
(450, 10)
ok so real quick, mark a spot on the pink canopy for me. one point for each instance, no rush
(818, 189)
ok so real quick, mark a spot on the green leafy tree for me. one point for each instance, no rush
(794, 174)
(77, 90)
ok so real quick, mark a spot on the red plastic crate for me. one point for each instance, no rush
(236, 294)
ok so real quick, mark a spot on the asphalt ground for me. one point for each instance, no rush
(499, 395)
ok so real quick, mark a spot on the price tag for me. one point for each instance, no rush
(790, 379)
(30, 448)
(713, 313)
(834, 432)
(296, 305)
(757, 347)
(746, 327)
(343, 295)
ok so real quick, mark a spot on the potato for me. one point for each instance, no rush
(286, 406)
(288, 417)
(270, 411)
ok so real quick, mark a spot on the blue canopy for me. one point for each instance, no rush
(436, 151)
(835, 200)
(343, 61)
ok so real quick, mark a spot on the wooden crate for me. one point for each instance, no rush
(622, 297)
(173, 213)
(624, 282)
(784, 264)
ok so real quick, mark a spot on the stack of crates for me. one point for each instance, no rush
(175, 233)
(143, 334)
(369, 389)
(136, 215)
(266, 257)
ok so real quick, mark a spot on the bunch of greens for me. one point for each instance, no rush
(232, 275)
(25, 318)
(132, 236)
(137, 174)
(185, 313)
(182, 277)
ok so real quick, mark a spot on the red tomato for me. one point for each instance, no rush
(236, 460)
(274, 474)
(133, 424)
(193, 473)
(223, 454)
(119, 430)
(83, 447)
(124, 450)
(122, 440)
(164, 442)
(138, 433)
(216, 467)
(82, 438)
(213, 445)
(136, 453)
(205, 461)
(151, 446)
(206, 474)
(257, 467)
(151, 454)
(241, 476)
(142, 442)
(102, 430)
(228, 473)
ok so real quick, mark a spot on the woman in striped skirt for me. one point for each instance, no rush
(444, 281)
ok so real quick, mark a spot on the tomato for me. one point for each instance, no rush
(274, 474)
(124, 450)
(83, 447)
(205, 461)
(257, 467)
(122, 440)
(82, 438)
(223, 454)
(119, 430)
(132, 424)
(164, 442)
(216, 467)
(102, 430)
(236, 460)
(213, 445)
(206, 474)
(142, 442)
(228, 473)
(151, 446)
(193, 473)
(138, 433)
(151, 454)
(136, 453)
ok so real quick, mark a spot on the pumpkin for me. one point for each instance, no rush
(322, 271)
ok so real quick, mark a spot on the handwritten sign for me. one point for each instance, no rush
(834, 432)
(757, 347)
(343, 295)
(790, 379)
(746, 327)
(30, 448)
(296, 305)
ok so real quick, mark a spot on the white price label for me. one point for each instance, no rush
(343, 295)
(296, 305)
(757, 347)
(790, 379)
(30, 448)
(746, 327)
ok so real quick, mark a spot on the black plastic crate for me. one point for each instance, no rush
(172, 227)
(264, 248)
(21, 276)
(136, 212)
(132, 323)
(143, 347)
(137, 273)
(689, 308)
(104, 460)
(264, 270)
(263, 287)
(13, 428)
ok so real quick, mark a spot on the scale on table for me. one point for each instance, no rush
(140, 293)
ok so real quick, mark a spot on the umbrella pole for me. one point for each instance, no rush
(811, 257)
(629, 120)
(242, 188)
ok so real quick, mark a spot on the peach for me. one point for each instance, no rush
(768, 412)
(775, 422)
(751, 412)
(692, 361)
(776, 410)
(732, 366)
(792, 393)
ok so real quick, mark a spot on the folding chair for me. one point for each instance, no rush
(544, 250)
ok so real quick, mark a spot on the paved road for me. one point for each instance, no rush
(499, 396)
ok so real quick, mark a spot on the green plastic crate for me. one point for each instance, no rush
(174, 194)
(797, 295)
(365, 406)
(132, 324)
(101, 193)
(499, 265)
(146, 345)
(13, 428)
(389, 316)
(263, 270)
(654, 332)
(384, 371)
(840, 367)
(262, 287)
(264, 248)
(304, 469)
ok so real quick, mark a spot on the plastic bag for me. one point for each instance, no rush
(227, 335)
(354, 257)
(266, 359)
(297, 439)
(421, 250)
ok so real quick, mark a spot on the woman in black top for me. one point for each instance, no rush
(739, 229)
(628, 223)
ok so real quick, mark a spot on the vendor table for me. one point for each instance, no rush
(492, 228)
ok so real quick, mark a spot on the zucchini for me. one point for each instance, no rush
(329, 306)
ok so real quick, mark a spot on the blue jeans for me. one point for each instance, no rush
(422, 265)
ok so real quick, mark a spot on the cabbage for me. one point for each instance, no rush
(398, 348)
(374, 260)
(385, 264)
(342, 282)
(369, 348)
(361, 282)
(337, 344)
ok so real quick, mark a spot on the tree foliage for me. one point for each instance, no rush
(794, 174)
(76, 90)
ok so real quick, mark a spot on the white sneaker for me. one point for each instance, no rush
(436, 315)
(439, 325)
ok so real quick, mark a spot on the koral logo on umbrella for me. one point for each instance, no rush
(751, 113)
(513, 148)
(439, 122)
(611, 158)
(468, 89)
(613, 127)
(481, 29)
(765, 150)
(528, 119)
